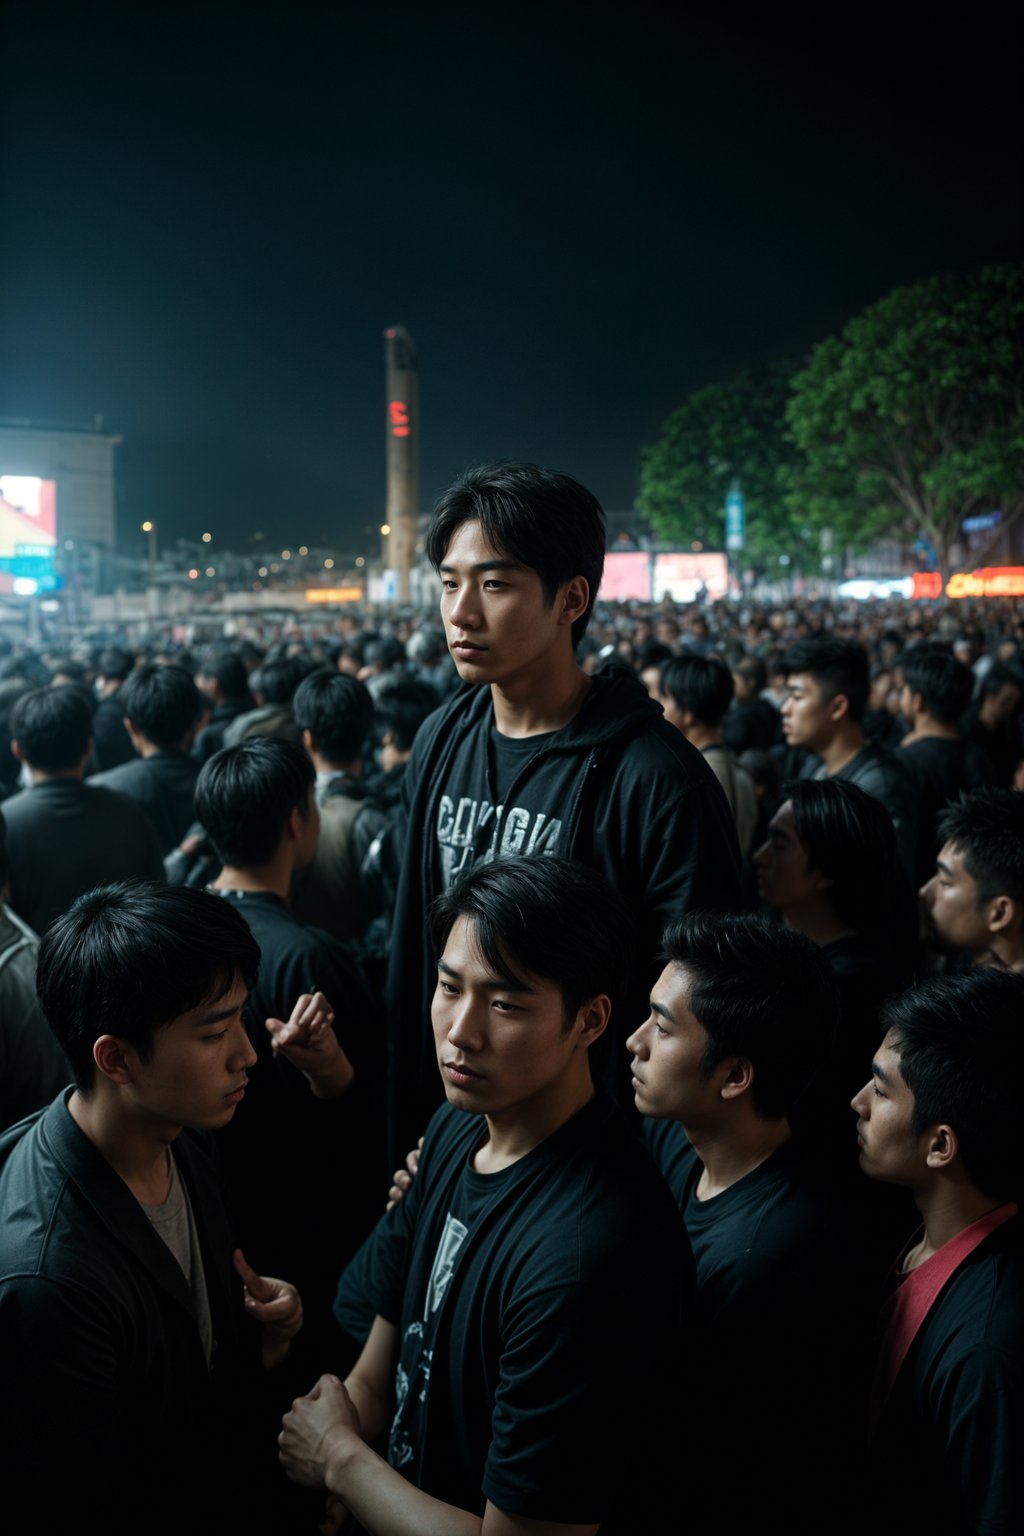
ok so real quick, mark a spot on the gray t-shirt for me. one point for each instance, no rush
(174, 1223)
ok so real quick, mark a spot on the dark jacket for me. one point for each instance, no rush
(110, 1416)
(164, 785)
(65, 837)
(636, 802)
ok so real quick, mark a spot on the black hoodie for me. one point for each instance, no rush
(617, 789)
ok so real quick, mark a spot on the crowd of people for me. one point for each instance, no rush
(672, 957)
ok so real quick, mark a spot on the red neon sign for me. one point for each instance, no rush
(398, 416)
(926, 584)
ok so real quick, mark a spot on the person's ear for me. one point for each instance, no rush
(943, 1147)
(1003, 914)
(592, 1020)
(309, 742)
(839, 707)
(575, 597)
(18, 753)
(114, 1058)
(738, 1080)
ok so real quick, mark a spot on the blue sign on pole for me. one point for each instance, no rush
(735, 519)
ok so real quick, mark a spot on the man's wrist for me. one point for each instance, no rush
(345, 1451)
(332, 1079)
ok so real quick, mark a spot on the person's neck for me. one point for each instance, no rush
(274, 878)
(1005, 953)
(927, 728)
(819, 924)
(947, 1206)
(700, 735)
(323, 764)
(541, 702)
(138, 1154)
(843, 747)
(733, 1148)
(62, 774)
(512, 1136)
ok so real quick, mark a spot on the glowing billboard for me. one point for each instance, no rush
(28, 533)
(627, 574)
(684, 577)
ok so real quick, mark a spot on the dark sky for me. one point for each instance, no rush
(580, 212)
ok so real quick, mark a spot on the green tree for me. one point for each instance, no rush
(731, 430)
(913, 418)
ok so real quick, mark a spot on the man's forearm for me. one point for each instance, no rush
(384, 1502)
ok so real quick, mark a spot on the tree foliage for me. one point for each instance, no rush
(913, 418)
(733, 430)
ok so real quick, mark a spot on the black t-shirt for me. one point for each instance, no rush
(945, 1457)
(782, 1320)
(556, 1334)
(305, 1174)
(471, 807)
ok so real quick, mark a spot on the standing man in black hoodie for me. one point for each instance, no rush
(535, 756)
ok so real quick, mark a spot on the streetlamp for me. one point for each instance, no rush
(149, 529)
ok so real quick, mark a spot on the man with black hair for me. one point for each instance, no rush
(65, 836)
(941, 1117)
(741, 1018)
(529, 1290)
(990, 723)
(131, 1379)
(274, 684)
(827, 689)
(752, 724)
(258, 806)
(695, 693)
(936, 691)
(975, 898)
(536, 757)
(335, 715)
(162, 711)
(111, 744)
(222, 678)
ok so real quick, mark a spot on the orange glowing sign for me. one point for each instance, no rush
(990, 581)
(926, 584)
(398, 416)
(334, 594)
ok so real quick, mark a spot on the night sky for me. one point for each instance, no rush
(210, 213)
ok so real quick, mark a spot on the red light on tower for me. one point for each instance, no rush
(398, 419)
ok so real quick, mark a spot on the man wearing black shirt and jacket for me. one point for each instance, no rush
(530, 1288)
(536, 757)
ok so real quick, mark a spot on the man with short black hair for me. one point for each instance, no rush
(65, 836)
(975, 898)
(130, 1386)
(695, 693)
(529, 1290)
(936, 691)
(257, 803)
(941, 1117)
(742, 1017)
(162, 711)
(111, 744)
(827, 689)
(335, 716)
(222, 678)
(537, 757)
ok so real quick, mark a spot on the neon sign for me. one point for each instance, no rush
(990, 581)
(398, 418)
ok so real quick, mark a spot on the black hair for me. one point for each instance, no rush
(544, 916)
(337, 710)
(699, 684)
(277, 680)
(546, 521)
(53, 727)
(162, 702)
(386, 653)
(70, 670)
(753, 670)
(961, 1050)
(761, 992)
(5, 861)
(838, 666)
(128, 959)
(849, 838)
(998, 677)
(653, 653)
(227, 669)
(245, 794)
(945, 684)
(402, 707)
(986, 826)
(114, 664)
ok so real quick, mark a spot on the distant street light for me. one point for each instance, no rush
(328, 565)
(385, 529)
(207, 538)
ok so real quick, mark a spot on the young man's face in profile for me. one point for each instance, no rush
(197, 1071)
(807, 719)
(669, 1082)
(501, 1041)
(784, 880)
(951, 897)
(498, 622)
(889, 1149)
